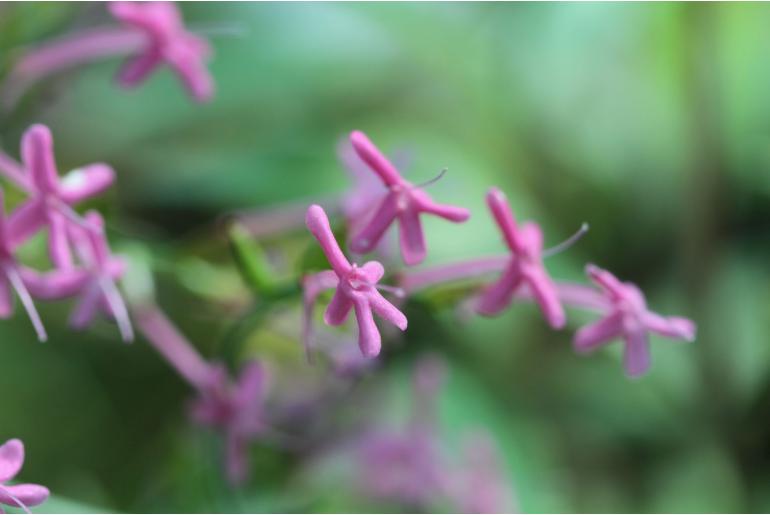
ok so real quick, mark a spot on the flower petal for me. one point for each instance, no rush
(636, 355)
(369, 340)
(544, 291)
(188, 62)
(11, 459)
(86, 182)
(318, 224)
(26, 220)
(373, 270)
(58, 242)
(54, 285)
(372, 156)
(451, 213)
(498, 296)
(338, 309)
(412, 237)
(386, 310)
(671, 327)
(501, 211)
(37, 155)
(598, 333)
(28, 494)
(136, 69)
(368, 237)
(86, 309)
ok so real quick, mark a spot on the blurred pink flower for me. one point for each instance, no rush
(17, 496)
(481, 485)
(167, 42)
(357, 288)
(51, 199)
(403, 201)
(524, 268)
(627, 317)
(237, 410)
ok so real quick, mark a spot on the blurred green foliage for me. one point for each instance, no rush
(649, 121)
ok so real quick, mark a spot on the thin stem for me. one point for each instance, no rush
(561, 247)
(172, 345)
(118, 308)
(431, 181)
(14, 172)
(26, 300)
(411, 282)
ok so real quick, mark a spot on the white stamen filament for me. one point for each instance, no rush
(118, 308)
(394, 290)
(16, 500)
(561, 247)
(26, 300)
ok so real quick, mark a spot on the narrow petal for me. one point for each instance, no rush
(412, 237)
(498, 296)
(370, 235)
(386, 310)
(546, 296)
(28, 494)
(369, 340)
(372, 156)
(501, 211)
(86, 309)
(598, 333)
(373, 271)
(6, 301)
(670, 327)
(136, 69)
(25, 221)
(338, 309)
(531, 237)
(605, 279)
(37, 154)
(636, 355)
(58, 242)
(318, 224)
(451, 213)
(86, 182)
(188, 63)
(11, 459)
(54, 285)
(251, 383)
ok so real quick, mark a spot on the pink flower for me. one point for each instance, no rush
(357, 287)
(627, 317)
(93, 281)
(403, 201)
(17, 496)
(167, 42)
(525, 267)
(50, 198)
(235, 409)
(482, 485)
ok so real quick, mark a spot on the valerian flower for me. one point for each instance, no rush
(17, 496)
(50, 199)
(403, 202)
(356, 289)
(167, 41)
(524, 268)
(627, 317)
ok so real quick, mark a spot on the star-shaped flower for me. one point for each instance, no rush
(525, 267)
(167, 42)
(17, 496)
(356, 290)
(235, 409)
(403, 202)
(628, 318)
(51, 199)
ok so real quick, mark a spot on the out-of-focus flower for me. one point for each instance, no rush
(17, 496)
(237, 410)
(312, 286)
(356, 290)
(524, 268)
(403, 201)
(167, 41)
(481, 485)
(50, 199)
(627, 317)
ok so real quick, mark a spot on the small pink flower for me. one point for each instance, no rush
(17, 496)
(235, 409)
(50, 198)
(403, 202)
(167, 42)
(356, 290)
(525, 267)
(627, 317)
(482, 485)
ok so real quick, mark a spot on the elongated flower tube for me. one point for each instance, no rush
(403, 202)
(524, 268)
(50, 198)
(167, 41)
(17, 496)
(627, 317)
(356, 290)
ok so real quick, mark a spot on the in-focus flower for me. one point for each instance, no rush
(237, 410)
(403, 202)
(17, 496)
(11, 277)
(51, 199)
(167, 42)
(627, 317)
(356, 290)
(93, 281)
(524, 268)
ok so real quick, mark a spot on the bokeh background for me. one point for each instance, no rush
(649, 121)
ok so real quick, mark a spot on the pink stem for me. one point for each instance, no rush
(411, 282)
(13, 171)
(172, 345)
(68, 52)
